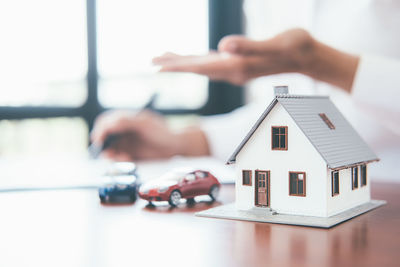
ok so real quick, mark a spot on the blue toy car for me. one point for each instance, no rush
(122, 185)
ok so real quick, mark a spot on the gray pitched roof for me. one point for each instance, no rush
(339, 147)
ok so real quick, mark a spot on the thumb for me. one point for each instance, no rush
(236, 44)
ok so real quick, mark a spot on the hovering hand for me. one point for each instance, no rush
(240, 59)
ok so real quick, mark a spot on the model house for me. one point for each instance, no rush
(302, 157)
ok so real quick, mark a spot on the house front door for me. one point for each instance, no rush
(262, 188)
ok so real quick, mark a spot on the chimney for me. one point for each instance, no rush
(281, 90)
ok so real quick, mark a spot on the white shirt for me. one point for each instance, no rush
(369, 28)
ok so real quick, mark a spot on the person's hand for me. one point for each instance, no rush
(145, 135)
(240, 59)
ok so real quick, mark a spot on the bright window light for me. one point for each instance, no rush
(131, 33)
(43, 52)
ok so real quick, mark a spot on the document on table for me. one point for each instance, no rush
(19, 174)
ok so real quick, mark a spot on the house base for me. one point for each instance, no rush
(229, 211)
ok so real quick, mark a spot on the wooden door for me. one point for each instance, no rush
(262, 188)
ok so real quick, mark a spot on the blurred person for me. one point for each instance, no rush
(371, 84)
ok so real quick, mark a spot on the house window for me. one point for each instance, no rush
(279, 138)
(297, 184)
(363, 170)
(246, 175)
(335, 183)
(327, 121)
(354, 178)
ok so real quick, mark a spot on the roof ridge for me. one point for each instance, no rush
(301, 96)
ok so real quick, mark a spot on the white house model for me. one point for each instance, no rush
(302, 157)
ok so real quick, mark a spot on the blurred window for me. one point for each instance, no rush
(43, 53)
(73, 59)
(131, 33)
(41, 137)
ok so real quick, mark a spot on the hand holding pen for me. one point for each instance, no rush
(103, 139)
(126, 135)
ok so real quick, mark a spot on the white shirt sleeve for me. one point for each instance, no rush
(376, 89)
(225, 132)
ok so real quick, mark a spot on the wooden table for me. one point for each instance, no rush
(71, 228)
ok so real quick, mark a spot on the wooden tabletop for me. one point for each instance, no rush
(71, 228)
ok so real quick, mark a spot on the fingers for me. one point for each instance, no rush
(216, 66)
(125, 122)
(164, 58)
(123, 148)
(116, 155)
(135, 151)
(171, 58)
(196, 64)
(236, 44)
(113, 123)
(102, 127)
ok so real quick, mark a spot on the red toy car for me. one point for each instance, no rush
(178, 184)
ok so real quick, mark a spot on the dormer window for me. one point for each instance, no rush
(279, 138)
(327, 121)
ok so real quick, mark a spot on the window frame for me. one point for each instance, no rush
(353, 178)
(333, 184)
(362, 174)
(297, 179)
(225, 17)
(250, 177)
(286, 138)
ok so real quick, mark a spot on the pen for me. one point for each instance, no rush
(95, 150)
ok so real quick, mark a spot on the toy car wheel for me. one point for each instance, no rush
(214, 192)
(190, 201)
(175, 198)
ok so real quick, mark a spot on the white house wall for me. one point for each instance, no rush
(347, 198)
(301, 156)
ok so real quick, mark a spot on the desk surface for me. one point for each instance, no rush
(70, 228)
